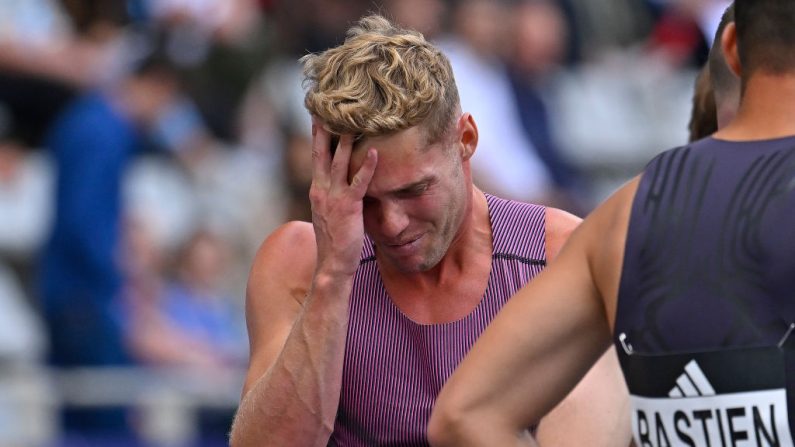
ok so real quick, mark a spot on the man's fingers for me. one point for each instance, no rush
(321, 153)
(342, 157)
(361, 180)
(332, 171)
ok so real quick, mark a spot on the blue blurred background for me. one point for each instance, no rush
(148, 146)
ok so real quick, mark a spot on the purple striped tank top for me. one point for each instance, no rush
(394, 368)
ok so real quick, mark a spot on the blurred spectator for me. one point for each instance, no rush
(538, 48)
(706, 13)
(608, 25)
(38, 39)
(425, 16)
(677, 35)
(190, 321)
(229, 21)
(505, 163)
(275, 126)
(219, 46)
(273, 121)
(314, 25)
(24, 207)
(42, 40)
(37, 75)
(92, 144)
(89, 17)
(25, 202)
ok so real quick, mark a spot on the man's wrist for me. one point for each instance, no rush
(329, 281)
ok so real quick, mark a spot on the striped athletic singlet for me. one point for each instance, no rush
(394, 368)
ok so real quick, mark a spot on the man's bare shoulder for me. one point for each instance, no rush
(285, 260)
(605, 235)
(614, 212)
(558, 225)
(280, 278)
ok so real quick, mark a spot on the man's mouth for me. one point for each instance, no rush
(404, 246)
(404, 242)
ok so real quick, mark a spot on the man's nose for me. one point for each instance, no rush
(393, 220)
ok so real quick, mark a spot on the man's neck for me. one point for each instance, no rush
(767, 110)
(454, 287)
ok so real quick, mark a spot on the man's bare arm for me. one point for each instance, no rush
(596, 412)
(297, 340)
(293, 385)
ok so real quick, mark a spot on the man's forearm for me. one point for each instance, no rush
(295, 402)
(476, 431)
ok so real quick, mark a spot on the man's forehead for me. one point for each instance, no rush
(394, 152)
(413, 137)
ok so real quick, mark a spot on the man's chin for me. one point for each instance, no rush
(417, 262)
(409, 266)
(417, 266)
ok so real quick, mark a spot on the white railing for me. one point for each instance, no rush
(166, 400)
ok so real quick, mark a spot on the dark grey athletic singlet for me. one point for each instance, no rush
(707, 295)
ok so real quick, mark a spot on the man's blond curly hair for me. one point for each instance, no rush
(382, 80)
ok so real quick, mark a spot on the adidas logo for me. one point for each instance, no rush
(692, 383)
(693, 414)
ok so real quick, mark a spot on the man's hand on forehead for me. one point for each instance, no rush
(335, 141)
(334, 137)
(336, 199)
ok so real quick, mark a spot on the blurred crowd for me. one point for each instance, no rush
(148, 146)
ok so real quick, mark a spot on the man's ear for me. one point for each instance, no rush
(467, 136)
(728, 43)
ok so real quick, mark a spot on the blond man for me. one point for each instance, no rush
(357, 319)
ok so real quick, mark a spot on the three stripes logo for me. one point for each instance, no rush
(695, 414)
(692, 383)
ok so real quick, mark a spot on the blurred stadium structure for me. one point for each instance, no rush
(165, 403)
(578, 92)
